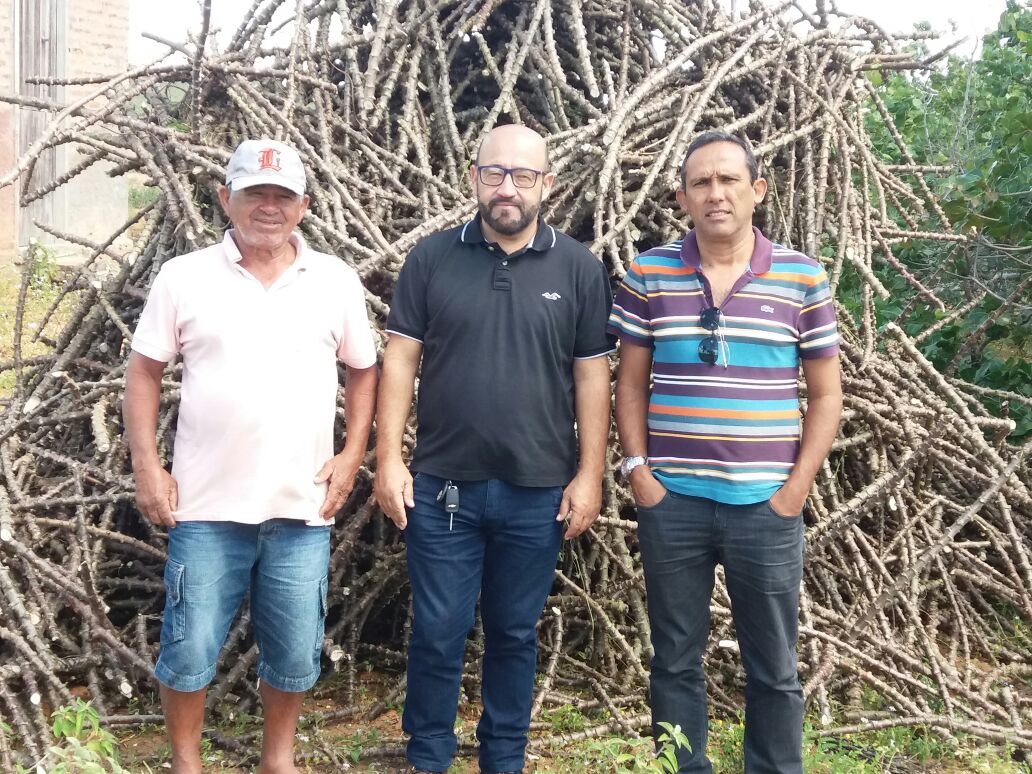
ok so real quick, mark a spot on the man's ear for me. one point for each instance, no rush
(547, 181)
(759, 189)
(224, 198)
(682, 200)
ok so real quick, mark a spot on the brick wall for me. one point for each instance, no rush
(98, 45)
(98, 40)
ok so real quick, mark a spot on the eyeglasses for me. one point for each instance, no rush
(521, 176)
(711, 346)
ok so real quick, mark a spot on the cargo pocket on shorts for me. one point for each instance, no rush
(173, 627)
(320, 630)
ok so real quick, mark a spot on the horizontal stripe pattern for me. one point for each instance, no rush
(728, 431)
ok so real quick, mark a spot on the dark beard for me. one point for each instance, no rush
(508, 227)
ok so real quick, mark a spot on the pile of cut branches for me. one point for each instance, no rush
(917, 601)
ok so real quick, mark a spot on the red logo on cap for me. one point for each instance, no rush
(268, 159)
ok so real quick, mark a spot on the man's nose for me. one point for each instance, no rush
(507, 187)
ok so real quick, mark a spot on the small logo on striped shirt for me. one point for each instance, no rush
(767, 308)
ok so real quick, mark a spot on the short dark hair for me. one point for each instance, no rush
(717, 136)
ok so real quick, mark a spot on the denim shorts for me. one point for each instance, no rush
(210, 568)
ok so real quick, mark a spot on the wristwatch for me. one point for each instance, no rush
(627, 464)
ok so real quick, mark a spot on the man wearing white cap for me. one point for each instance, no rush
(260, 321)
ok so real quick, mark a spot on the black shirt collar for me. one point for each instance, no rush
(544, 239)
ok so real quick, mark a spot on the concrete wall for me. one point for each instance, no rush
(8, 213)
(90, 38)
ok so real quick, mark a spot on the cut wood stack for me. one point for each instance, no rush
(918, 591)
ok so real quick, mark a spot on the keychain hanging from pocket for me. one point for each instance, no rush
(450, 495)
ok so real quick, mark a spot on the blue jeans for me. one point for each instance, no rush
(211, 566)
(682, 538)
(501, 546)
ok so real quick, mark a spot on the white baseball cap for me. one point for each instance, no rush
(265, 162)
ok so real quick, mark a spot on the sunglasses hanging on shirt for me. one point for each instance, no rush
(711, 347)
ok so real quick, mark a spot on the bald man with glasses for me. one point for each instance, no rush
(505, 317)
(713, 329)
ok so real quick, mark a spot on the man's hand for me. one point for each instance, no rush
(393, 490)
(582, 500)
(788, 501)
(157, 494)
(823, 412)
(645, 487)
(339, 471)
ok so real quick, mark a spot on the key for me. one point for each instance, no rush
(450, 495)
(451, 498)
(444, 495)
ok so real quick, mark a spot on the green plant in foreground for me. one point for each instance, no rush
(617, 754)
(353, 746)
(670, 741)
(83, 745)
(607, 754)
(41, 265)
(80, 722)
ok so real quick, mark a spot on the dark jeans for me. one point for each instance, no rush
(682, 539)
(502, 546)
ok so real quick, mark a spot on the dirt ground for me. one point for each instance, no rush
(331, 746)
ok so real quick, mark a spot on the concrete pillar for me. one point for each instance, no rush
(8, 213)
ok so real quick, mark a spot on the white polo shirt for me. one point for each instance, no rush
(259, 377)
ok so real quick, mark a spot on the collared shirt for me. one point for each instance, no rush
(259, 391)
(727, 431)
(500, 334)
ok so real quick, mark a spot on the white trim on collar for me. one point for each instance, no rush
(233, 255)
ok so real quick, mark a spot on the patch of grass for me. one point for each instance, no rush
(898, 749)
(605, 754)
(919, 748)
(44, 284)
(354, 745)
(42, 266)
(616, 754)
(724, 745)
(830, 756)
(564, 719)
(905, 749)
(141, 195)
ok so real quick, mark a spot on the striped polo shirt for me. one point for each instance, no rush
(730, 430)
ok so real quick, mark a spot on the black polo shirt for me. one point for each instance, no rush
(500, 334)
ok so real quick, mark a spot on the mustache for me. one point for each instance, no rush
(501, 200)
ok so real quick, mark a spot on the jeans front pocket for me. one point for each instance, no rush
(780, 515)
(661, 501)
